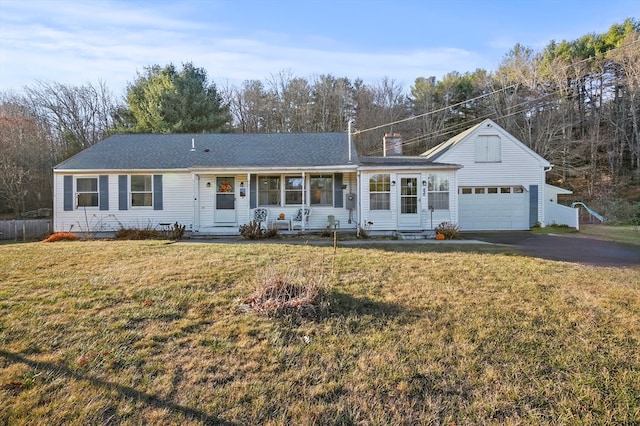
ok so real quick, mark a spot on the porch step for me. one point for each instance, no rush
(415, 235)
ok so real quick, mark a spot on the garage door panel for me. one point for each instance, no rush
(490, 211)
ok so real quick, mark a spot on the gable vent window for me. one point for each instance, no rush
(488, 149)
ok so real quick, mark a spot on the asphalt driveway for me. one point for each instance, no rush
(577, 249)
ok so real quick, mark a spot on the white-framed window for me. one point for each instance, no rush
(321, 187)
(268, 190)
(141, 191)
(87, 192)
(488, 149)
(438, 191)
(380, 192)
(293, 190)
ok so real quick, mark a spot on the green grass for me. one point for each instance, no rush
(621, 234)
(554, 229)
(111, 332)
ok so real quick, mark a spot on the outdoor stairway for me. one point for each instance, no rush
(415, 235)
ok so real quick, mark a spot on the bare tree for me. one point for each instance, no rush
(290, 100)
(26, 157)
(332, 103)
(626, 116)
(79, 116)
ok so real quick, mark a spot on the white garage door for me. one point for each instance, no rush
(493, 208)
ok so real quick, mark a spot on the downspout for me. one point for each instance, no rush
(359, 192)
(542, 196)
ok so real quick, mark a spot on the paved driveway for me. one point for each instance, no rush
(565, 248)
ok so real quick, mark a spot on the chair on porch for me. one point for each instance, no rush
(299, 221)
(261, 216)
(333, 222)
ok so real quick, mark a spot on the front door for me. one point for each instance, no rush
(409, 210)
(225, 208)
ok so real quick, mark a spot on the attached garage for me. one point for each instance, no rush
(485, 208)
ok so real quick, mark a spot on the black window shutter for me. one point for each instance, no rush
(123, 192)
(103, 187)
(533, 204)
(68, 193)
(337, 190)
(253, 192)
(157, 192)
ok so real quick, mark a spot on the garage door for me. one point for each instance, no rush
(491, 208)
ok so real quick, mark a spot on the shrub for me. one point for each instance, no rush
(138, 234)
(326, 232)
(615, 210)
(449, 230)
(289, 292)
(61, 236)
(177, 232)
(253, 231)
(363, 231)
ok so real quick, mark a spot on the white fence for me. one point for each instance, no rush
(557, 214)
(25, 229)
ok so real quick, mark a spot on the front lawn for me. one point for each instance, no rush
(108, 332)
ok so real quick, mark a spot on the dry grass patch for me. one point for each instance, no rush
(292, 291)
(145, 332)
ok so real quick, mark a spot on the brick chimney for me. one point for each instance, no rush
(392, 144)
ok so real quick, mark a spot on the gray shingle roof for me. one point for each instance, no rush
(395, 161)
(173, 151)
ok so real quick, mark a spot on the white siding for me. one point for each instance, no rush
(318, 218)
(518, 165)
(206, 195)
(177, 207)
(387, 220)
(187, 200)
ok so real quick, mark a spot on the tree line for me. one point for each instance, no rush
(576, 103)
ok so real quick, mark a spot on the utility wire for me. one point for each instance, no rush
(356, 132)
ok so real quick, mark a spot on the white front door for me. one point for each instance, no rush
(225, 202)
(408, 202)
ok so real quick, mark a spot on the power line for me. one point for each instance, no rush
(456, 128)
(356, 132)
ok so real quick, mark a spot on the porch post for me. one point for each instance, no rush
(196, 201)
(249, 217)
(304, 199)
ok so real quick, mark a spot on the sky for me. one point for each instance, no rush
(79, 41)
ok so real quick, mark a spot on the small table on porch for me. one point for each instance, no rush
(282, 224)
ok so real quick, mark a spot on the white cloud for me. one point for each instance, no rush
(109, 41)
